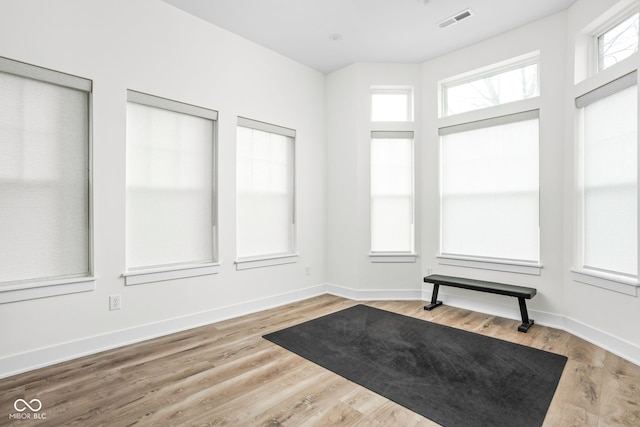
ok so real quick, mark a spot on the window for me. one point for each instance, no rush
(45, 217)
(170, 188)
(515, 81)
(489, 168)
(392, 200)
(608, 181)
(618, 42)
(489, 182)
(391, 104)
(265, 195)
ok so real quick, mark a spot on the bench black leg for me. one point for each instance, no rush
(434, 298)
(526, 322)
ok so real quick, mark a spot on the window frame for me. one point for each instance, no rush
(604, 28)
(272, 259)
(514, 265)
(470, 119)
(502, 67)
(151, 274)
(585, 95)
(22, 290)
(393, 90)
(395, 256)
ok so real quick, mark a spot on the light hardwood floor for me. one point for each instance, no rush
(227, 374)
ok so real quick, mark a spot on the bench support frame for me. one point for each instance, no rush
(434, 298)
(526, 322)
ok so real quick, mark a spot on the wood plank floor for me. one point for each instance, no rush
(226, 374)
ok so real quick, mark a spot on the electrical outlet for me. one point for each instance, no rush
(429, 271)
(307, 271)
(115, 302)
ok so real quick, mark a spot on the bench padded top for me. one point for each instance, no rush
(479, 285)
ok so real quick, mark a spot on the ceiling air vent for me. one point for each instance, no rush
(456, 18)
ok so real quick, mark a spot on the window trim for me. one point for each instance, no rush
(267, 260)
(152, 274)
(612, 282)
(392, 257)
(496, 264)
(248, 263)
(24, 291)
(28, 289)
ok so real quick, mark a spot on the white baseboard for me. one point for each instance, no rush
(373, 294)
(615, 345)
(19, 363)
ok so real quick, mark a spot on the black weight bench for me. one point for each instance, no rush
(520, 292)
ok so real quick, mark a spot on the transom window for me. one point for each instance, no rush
(391, 104)
(515, 80)
(618, 42)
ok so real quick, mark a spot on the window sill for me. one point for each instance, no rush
(265, 261)
(151, 275)
(392, 257)
(34, 290)
(611, 282)
(492, 264)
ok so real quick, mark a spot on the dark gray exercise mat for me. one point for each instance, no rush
(453, 377)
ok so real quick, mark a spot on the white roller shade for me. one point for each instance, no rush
(608, 89)
(610, 208)
(265, 190)
(44, 174)
(392, 199)
(490, 189)
(170, 187)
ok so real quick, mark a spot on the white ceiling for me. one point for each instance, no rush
(369, 30)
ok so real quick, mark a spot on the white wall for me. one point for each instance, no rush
(343, 213)
(605, 317)
(152, 47)
(348, 158)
